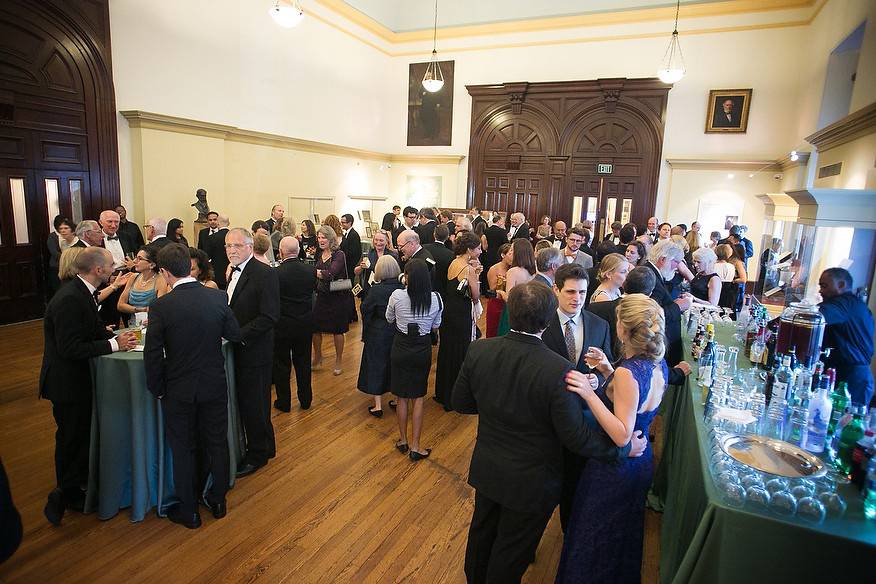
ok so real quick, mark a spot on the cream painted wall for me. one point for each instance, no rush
(859, 165)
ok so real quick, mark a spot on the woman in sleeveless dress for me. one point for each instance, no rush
(145, 287)
(522, 271)
(496, 278)
(603, 541)
(612, 274)
(706, 285)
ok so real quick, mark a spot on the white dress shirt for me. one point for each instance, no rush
(513, 231)
(235, 276)
(185, 280)
(114, 345)
(114, 246)
(577, 327)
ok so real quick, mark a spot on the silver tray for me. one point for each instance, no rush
(773, 456)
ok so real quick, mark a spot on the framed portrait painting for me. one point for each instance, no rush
(430, 115)
(728, 111)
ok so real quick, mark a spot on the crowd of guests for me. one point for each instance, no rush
(582, 339)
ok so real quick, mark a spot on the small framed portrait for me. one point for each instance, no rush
(365, 215)
(374, 226)
(316, 220)
(369, 232)
(728, 111)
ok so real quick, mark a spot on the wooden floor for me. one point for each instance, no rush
(338, 504)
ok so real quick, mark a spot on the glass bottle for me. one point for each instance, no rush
(841, 400)
(707, 359)
(819, 416)
(870, 491)
(783, 379)
(852, 432)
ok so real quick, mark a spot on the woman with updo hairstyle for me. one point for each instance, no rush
(636, 253)
(706, 285)
(522, 270)
(462, 306)
(608, 516)
(612, 274)
(261, 248)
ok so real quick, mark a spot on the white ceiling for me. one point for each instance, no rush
(409, 15)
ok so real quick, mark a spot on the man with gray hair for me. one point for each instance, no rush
(409, 247)
(546, 262)
(89, 233)
(663, 260)
(519, 227)
(156, 232)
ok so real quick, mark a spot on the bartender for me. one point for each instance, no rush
(849, 331)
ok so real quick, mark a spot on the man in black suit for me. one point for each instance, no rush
(446, 218)
(476, 218)
(294, 330)
(426, 228)
(119, 247)
(277, 212)
(517, 386)
(726, 115)
(409, 247)
(573, 333)
(546, 262)
(74, 333)
(129, 229)
(207, 232)
(156, 232)
(663, 260)
(519, 227)
(216, 250)
(351, 244)
(254, 297)
(185, 369)
(442, 256)
(89, 233)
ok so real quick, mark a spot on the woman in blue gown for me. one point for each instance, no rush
(603, 542)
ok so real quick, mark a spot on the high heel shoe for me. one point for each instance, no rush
(402, 447)
(336, 372)
(375, 412)
(415, 456)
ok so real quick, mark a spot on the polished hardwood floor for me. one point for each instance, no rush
(338, 504)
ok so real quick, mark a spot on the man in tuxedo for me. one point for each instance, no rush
(120, 247)
(726, 116)
(477, 217)
(651, 230)
(185, 369)
(409, 248)
(74, 333)
(519, 227)
(216, 250)
(614, 236)
(559, 236)
(211, 229)
(446, 218)
(294, 329)
(442, 256)
(426, 228)
(156, 232)
(546, 262)
(572, 253)
(516, 384)
(254, 297)
(663, 260)
(351, 244)
(129, 229)
(277, 212)
(89, 233)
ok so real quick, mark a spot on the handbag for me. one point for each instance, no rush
(341, 285)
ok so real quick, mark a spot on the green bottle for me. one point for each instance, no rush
(851, 433)
(841, 400)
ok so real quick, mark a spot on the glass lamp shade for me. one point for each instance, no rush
(673, 62)
(286, 16)
(433, 85)
(433, 80)
(670, 75)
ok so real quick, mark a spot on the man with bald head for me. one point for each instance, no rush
(117, 245)
(519, 227)
(559, 236)
(294, 329)
(651, 231)
(409, 247)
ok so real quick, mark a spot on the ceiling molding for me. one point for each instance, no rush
(625, 17)
(802, 160)
(850, 128)
(154, 121)
(723, 165)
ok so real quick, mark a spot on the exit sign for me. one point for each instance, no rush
(603, 168)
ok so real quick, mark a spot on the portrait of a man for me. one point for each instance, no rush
(728, 110)
(430, 115)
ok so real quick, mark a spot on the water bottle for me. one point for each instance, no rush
(758, 405)
(819, 416)
(798, 424)
(870, 491)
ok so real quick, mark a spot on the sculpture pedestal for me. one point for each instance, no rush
(197, 226)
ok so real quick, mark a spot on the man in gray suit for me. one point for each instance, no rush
(546, 262)
(572, 253)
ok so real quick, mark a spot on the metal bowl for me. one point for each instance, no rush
(773, 456)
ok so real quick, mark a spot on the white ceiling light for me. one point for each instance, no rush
(433, 80)
(286, 13)
(794, 156)
(673, 61)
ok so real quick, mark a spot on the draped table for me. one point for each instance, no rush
(130, 463)
(705, 540)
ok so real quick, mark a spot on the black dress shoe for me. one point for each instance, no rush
(374, 412)
(54, 509)
(247, 469)
(305, 406)
(393, 404)
(192, 521)
(219, 510)
(282, 407)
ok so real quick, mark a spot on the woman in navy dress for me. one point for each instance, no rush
(603, 542)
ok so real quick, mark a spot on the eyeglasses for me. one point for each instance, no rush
(402, 245)
(236, 245)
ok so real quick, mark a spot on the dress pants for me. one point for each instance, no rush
(501, 542)
(200, 427)
(294, 349)
(573, 465)
(254, 403)
(72, 441)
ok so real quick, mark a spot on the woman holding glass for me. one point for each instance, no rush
(331, 309)
(379, 248)
(496, 281)
(307, 241)
(141, 290)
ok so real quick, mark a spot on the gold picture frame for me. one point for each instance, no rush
(728, 111)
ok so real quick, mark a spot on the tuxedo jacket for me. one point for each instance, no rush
(183, 354)
(522, 231)
(215, 248)
(596, 334)
(203, 239)
(351, 245)
(297, 282)
(516, 384)
(426, 231)
(160, 242)
(256, 305)
(672, 317)
(73, 333)
(426, 256)
(442, 257)
(132, 232)
(474, 223)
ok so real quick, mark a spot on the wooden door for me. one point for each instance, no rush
(23, 236)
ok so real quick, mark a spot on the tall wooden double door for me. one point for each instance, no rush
(570, 150)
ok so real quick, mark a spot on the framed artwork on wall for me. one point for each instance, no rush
(430, 115)
(728, 111)
(424, 191)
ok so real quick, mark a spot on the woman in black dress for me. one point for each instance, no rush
(307, 241)
(175, 229)
(377, 334)
(331, 309)
(458, 323)
(706, 285)
(414, 312)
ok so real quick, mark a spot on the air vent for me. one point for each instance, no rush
(830, 170)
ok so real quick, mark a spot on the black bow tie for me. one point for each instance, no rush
(112, 237)
(235, 269)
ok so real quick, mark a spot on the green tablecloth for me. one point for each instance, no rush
(704, 540)
(130, 464)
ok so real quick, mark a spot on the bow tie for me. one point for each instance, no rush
(235, 269)
(212, 231)
(112, 237)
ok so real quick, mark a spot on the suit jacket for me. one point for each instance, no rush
(582, 259)
(256, 305)
(426, 232)
(540, 278)
(672, 316)
(183, 354)
(517, 386)
(607, 311)
(522, 231)
(73, 333)
(596, 334)
(297, 281)
(442, 257)
(426, 256)
(475, 221)
(203, 239)
(218, 258)
(132, 232)
(160, 242)
(351, 245)
(720, 119)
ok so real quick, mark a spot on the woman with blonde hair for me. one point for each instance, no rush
(612, 274)
(693, 239)
(67, 264)
(331, 311)
(607, 520)
(725, 270)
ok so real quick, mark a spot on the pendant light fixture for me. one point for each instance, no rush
(673, 61)
(287, 13)
(433, 80)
